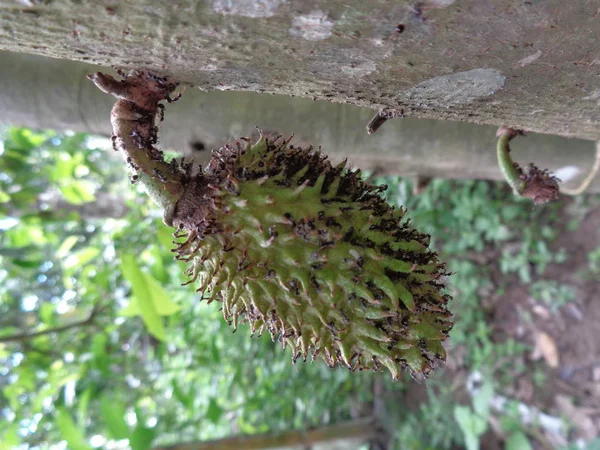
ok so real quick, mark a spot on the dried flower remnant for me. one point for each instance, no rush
(539, 185)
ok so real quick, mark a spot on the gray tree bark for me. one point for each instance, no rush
(525, 64)
(50, 93)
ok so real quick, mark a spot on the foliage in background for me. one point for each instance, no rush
(468, 221)
(139, 361)
(152, 364)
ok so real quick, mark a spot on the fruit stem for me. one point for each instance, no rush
(135, 134)
(538, 185)
(510, 170)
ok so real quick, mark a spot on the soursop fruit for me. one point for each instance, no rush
(312, 254)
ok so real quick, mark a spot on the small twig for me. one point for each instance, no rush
(538, 185)
(589, 178)
(381, 117)
(26, 336)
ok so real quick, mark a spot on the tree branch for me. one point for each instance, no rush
(21, 337)
(432, 68)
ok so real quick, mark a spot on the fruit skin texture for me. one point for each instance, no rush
(313, 255)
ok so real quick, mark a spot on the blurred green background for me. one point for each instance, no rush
(102, 347)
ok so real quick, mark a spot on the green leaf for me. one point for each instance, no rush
(23, 235)
(26, 264)
(83, 400)
(471, 425)
(186, 400)
(78, 192)
(26, 379)
(158, 269)
(70, 432)
(81, 257)
(101, 358)
(517, 441)
(481, 401)
(7, 331)
(66, 246)
(46, 313)
(4, 197)
(25, 139)
(214, 411)
(9, 437)
(144, 297)
(162, 301)
(141, 438)
(113, 411)
(132, 309)
(63, 169)
(215, 352)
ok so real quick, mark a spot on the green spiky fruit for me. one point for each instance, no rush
(312, 254)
